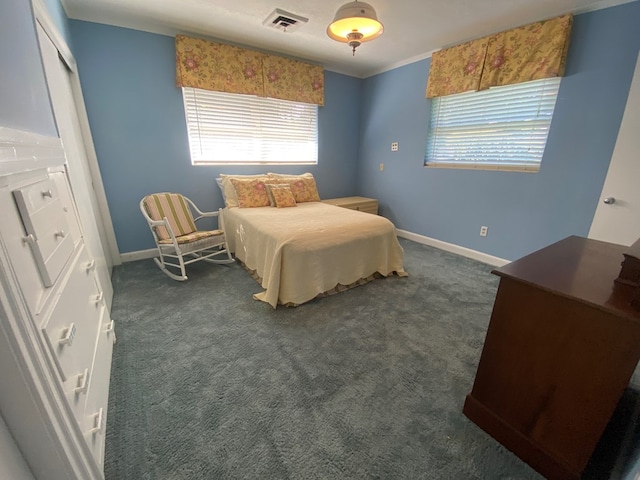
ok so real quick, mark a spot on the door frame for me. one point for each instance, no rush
(43, 17)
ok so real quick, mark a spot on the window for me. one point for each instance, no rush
(228, 128)
(503, 128)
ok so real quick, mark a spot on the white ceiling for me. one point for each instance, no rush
(412, 28)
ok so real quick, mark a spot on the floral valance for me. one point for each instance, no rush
(531, 52)
(457, 69)
(226, 68)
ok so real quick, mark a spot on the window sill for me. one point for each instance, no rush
(501, 168)
(231, 164)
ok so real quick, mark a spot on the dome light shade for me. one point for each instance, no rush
(354, 23)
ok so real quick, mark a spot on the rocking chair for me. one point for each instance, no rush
(177, 238)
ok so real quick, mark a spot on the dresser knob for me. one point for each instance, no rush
(68, 335)
(30, 239)
(98, 422)
(83, 382)
(111, 330)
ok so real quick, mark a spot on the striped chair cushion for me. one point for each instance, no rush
(175, 208)
(193, 237)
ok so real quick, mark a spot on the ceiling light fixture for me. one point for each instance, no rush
(354, 23)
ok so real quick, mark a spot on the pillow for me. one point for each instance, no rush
(304, 190)
(250, 192)
(270, 183)
(302, 186)
(228, 190)
(290, 175)
(282, 196)
(221, 186)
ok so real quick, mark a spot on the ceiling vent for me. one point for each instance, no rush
(285, 21)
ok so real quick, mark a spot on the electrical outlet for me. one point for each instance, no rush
(483, 231)
(382, 167)
(394, 147)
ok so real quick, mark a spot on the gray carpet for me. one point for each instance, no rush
(208, 383)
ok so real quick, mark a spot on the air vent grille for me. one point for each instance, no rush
(284, 21)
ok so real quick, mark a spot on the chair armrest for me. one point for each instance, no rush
(200, 213)
(159, 223)
(205, 214)
(163, 223)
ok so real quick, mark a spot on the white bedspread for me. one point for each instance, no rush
(300, 252)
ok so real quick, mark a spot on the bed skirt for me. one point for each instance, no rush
(337, 289)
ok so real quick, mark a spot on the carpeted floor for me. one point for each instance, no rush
(208, 383)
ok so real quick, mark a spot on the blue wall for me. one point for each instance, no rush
(24, 98)
(137, 121)
(59, 17)
(524, 211)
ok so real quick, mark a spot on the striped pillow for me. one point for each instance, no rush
(175, 208)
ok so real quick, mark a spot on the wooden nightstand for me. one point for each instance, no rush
(363, 204)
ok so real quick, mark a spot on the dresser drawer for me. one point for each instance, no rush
(46, 227)
(82, 389)
(68, 207)
(70, 331)
(95, 414)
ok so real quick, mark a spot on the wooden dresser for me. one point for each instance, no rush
(363, 204)
(562, 344)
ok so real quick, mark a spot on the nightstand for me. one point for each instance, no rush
(363, 204)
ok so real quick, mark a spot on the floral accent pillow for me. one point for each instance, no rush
(251, 193)
(303, 186)
(304, 190)
(282, 196)
(228, 190)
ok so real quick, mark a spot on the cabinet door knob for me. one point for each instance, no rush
(609, 200)
(60, 233)
(47, 193)
(91, 265)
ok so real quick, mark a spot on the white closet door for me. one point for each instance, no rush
(64, 107)
(617, 217)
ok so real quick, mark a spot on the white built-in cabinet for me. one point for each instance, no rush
(56, 334)
(12, 464)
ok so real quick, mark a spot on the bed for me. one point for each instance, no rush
(302, 252)
(313, 249)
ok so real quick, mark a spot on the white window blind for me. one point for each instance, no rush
(500, 128)
(228, 128)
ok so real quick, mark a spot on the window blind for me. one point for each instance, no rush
(503, 127)
(228, 128)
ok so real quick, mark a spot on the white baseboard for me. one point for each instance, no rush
(432, 242)
(138, 255)
(450, 247)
